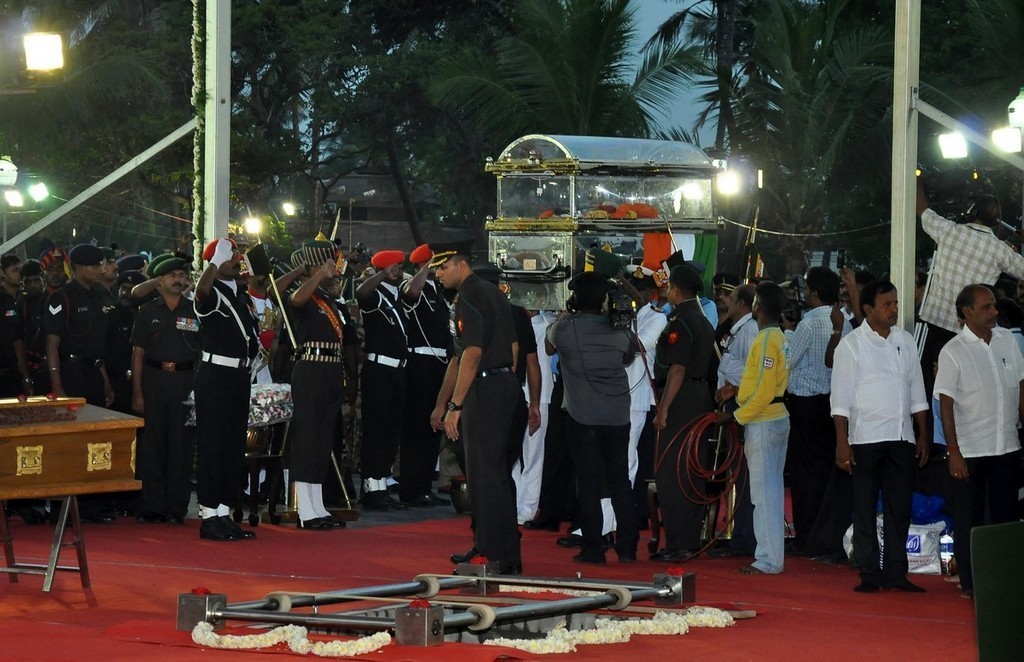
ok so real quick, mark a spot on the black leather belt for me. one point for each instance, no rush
(494, 371)
(78, 358)
(777, 400)
(307, 352)
(171, 366)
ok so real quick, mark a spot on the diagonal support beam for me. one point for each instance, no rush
(939, 117)
(82, 197)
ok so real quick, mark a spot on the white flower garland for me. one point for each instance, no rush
(607, 631)
(199, 104)
(518, 588)
(294, 636)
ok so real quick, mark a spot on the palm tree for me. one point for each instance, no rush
(566, 70)
(814, 88)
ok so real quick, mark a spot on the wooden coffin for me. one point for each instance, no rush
(56, 447)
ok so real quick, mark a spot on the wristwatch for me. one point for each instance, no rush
(454, 407)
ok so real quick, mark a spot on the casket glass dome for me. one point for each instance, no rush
(593, 151)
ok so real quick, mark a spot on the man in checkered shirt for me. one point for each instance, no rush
(967, 253)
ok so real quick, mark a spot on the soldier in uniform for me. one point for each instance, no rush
(165, 346)
(684, 349)
(14, 376)
(31, 303)
(318, 380)
(383, 377)
(119, 339)
(481, 391)
(429, 346)
(228, 343)
(56, 272)
(75, 321)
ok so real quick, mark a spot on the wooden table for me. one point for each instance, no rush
(86, 450)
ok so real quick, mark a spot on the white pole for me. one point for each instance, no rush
(906, 72)
(217, 147)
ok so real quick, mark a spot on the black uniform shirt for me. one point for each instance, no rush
(165, 334)
(482, 318)
(385, 324)
(526, 339)
(219, 331)
(10, 331)
(119, 335)
(79, 317)
(428, 317)
(688, 339)
(311, 323)
(31, 308)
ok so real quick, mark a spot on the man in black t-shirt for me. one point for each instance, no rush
(480, 391)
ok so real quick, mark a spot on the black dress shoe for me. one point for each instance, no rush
(30, 515)
(670, 555)
(571, 540)
(866, 587)
(214, 528)
(467, 557)
(904, 585)
(421, 501)
(96, 517)
(175, 519)
(589, 557)
(316, 524)
(541, 525)
(239, 532)
(150, 518)
(333, 522)
(381, 500)
(511, 569)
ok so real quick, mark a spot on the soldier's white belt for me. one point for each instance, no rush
(226, 361)
(385, 360)
(430, 351)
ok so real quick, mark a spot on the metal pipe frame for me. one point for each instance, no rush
(263, 611)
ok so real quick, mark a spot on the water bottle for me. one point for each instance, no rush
(945, 552)
(1016, 110)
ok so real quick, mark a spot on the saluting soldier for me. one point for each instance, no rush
(429, 345)
(165, 346)
(318, 380)
(481, 391)
(383, 377)
(228, 342)
(684, 350)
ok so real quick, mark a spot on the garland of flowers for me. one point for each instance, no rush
(292, 635)
(199, 104)
(608, 631)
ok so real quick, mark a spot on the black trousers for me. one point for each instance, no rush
(557, 502)
(683, 519)
(993, 483)
(165, 449)
(222, 418)
(82, 379)
(384, 394)
(420, 442)
(487, 415)
(889, 466)
(316, 394)
(742, 539)
(933, 343)
(811, 456)
(601, 456)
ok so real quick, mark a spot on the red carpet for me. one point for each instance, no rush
(808, 613)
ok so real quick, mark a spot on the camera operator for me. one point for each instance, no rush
(593, 355)
(965, 254)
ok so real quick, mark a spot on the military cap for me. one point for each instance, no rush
(605, 263)
(166, 263)
(449, 249)
(31, 268)
(211, 248)
(131, 263)
(53, 256)
(385, 259)
(421, 254)
(130, 276)
(686, 277)
(86, 255)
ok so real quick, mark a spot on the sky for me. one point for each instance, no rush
(651, 14)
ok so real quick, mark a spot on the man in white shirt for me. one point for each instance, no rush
(966, 253)
(979, 384)
(876, 387)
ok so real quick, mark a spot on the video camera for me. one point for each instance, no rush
(619, 303)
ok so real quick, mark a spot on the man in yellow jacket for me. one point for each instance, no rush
(763, 414)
